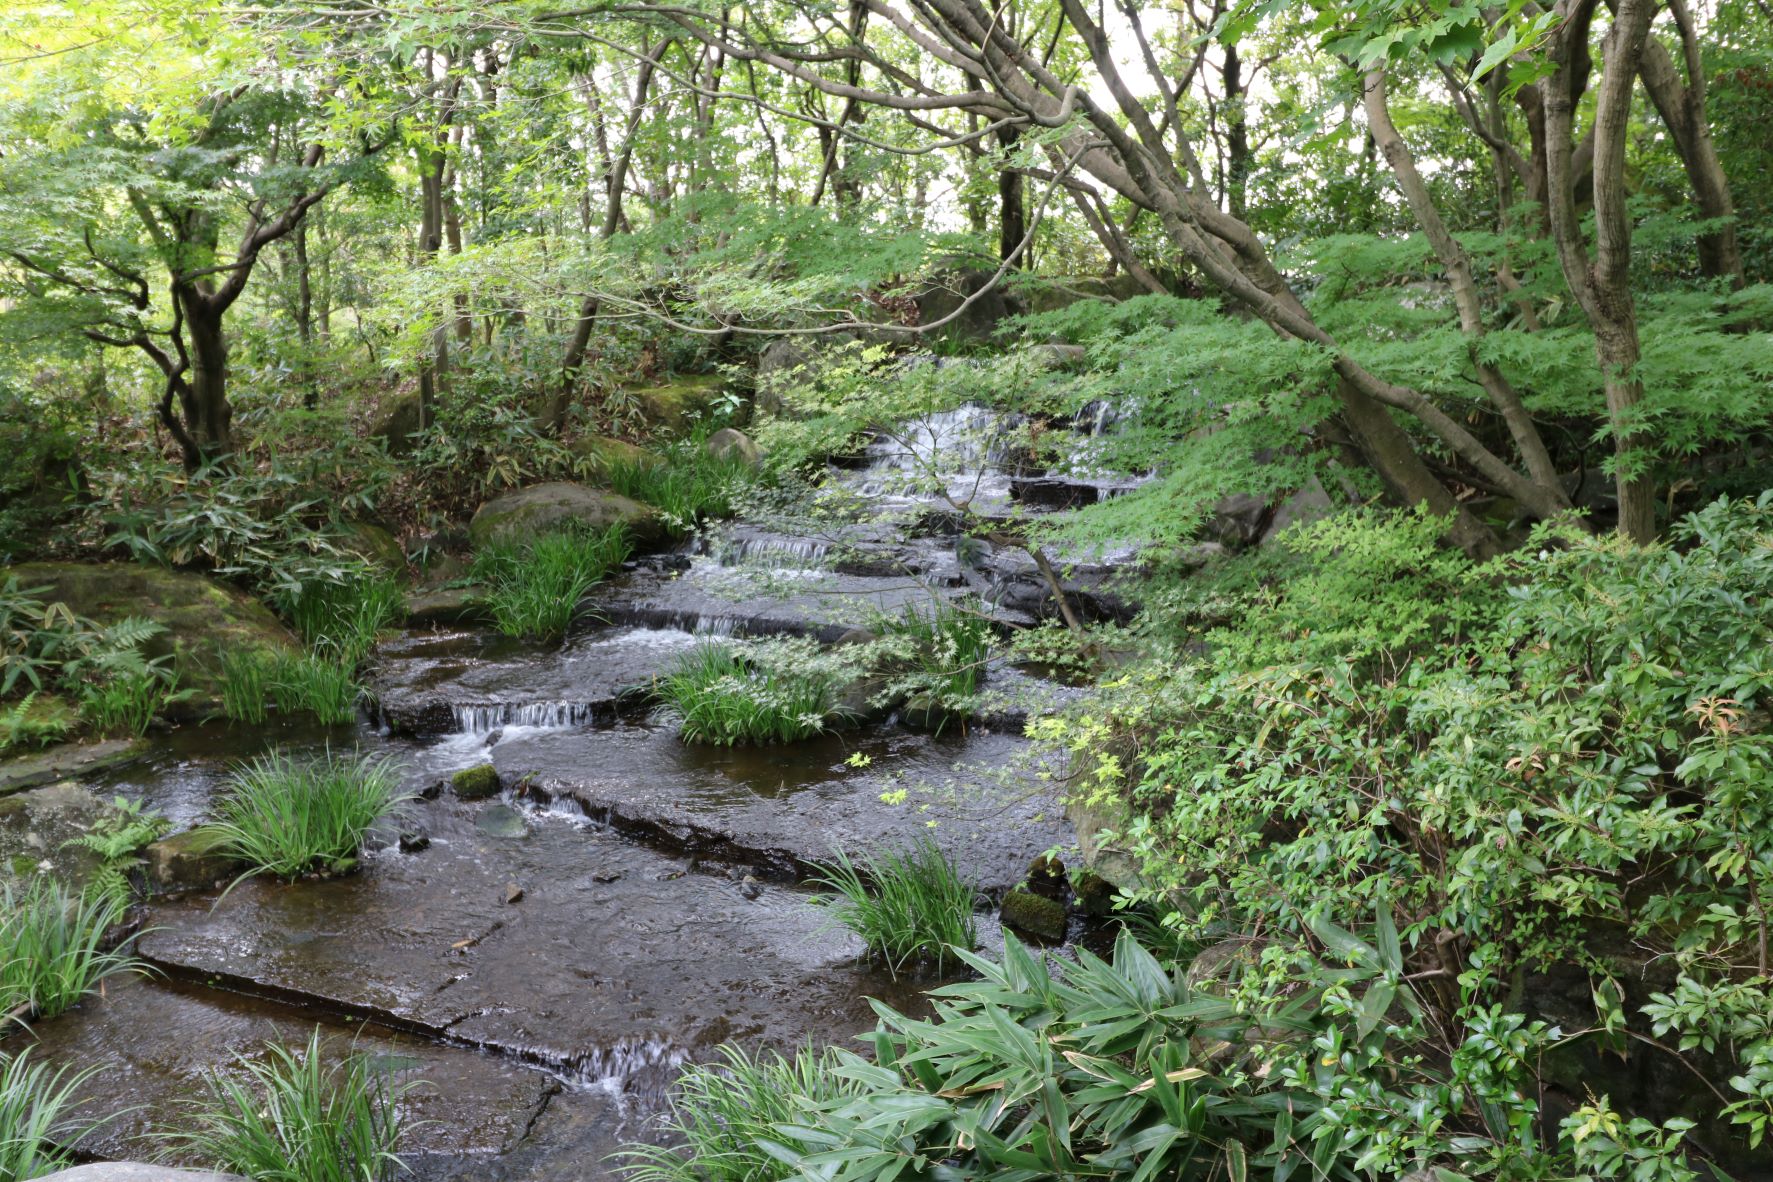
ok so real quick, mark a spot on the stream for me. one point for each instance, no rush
(546, 960)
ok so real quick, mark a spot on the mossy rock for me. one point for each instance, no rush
(670, 408)
(600, 451)
(36, 826)
(1094, 894)
(730, 443)
(376, 546)
(541, 507)
(1033, 915)
(476, 783)
(204, 619)
(187, 862)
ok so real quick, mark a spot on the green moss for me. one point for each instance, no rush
(475, 783)
(670, 408)
(1034, 915)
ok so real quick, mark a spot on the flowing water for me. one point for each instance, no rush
(547, 960)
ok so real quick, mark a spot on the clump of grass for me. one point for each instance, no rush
(723, 1113)
(339, 620)
(688, 486)
(289, 1117)
(725, 699)
(285, 816)
(33, 1129)
(53, 947)
(909, 906)
(534, 587)
(942, 645)
(314, 683)
(124, 700)
(246, 684)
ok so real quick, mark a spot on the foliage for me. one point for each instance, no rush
(246, 684)
(118, 687)
(535, 585)
(286, 816)
(724, 1115)
(53, 947)
(33, 1127)
(910, 907)
(127, 695)
(1457, 781)
(939, 649)
(685, 484)
(726, 694)
(314, 683)
(29, 722)
(288, 1116)
(338, 619)
(116, 838)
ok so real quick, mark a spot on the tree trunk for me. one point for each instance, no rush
(1237, 136)
(1012, 210)
(305, 314)
(204, 399)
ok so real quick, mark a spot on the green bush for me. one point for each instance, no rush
(909, 906)
(53, 947)
(288, 1117)
(286, 816)
(534, 587)
(686, 485)
(723, 1114)
(1558, 766)
(34, 1131)
(727, 694)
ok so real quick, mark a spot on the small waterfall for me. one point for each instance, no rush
(481, 718)
(773, 553)
(616, 1068)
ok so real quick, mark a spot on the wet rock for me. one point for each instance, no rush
(413, 843)
(923, 713)
(375, 545)
(501, 820)
(732, 443)
(184, 862)
(513, 893)
(204, 619)
(1046, 878)
(36, 826)
(1033, 915)
(749, 887)
(1054, 492)
(1094, 894)
(37, 768)
(535, 509)
(476, 783)
(605, 877)
(130, 1171)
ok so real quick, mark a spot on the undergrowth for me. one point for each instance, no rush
(910, 907)
(534, 586)
(116, 838)
(938, 650)
(687, 485)
(286, 816)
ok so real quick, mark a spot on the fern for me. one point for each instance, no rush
(117, 838)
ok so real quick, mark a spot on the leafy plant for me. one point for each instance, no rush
(126, 697)
(938, 649)
(116, 838)
(534, 587)
(36, 637)
(315, 684)
(686, 485)
(909, 906)
(724, 1116)
(727, 695)
(289, 1117)
(285, 816)
(33, 723)
(339, 619)
(53, 947)
(246, 684)
(34, 1129)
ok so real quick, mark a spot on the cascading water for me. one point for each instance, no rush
(481, 718)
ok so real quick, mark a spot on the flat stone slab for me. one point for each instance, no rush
(153, 1042)
(978, 795)
(611, 964)
(68, 761)
(135, 1171)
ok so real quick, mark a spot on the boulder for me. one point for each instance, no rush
(1238, 520)
(979, 321)
(376, 546)
(184, 862)
(1309, 504)
(732, 443)
(598, 452)
(446, 607)
(36, 826)
(397, 421)
(204, 619)
(1033, 915)
(670, 408)
(790, 361)
(1093, 893)
(536, 509)
(476, 783)
(130, 1171)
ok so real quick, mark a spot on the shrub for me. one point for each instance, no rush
(722, 1114)
(288, 1117)
(33, 1128)
(728, 694)
(53, 947)
(534, 587)
(909, 907)
(285, 816)
(687, 485)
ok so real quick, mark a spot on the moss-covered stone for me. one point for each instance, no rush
(476, 783)
(204, 619)
(730, 443)
(540, 507)
(600, 451)
(1032, 915)
(376, 546)
(670, 407)
(186, 862)
(1094, 894)
(36, 827)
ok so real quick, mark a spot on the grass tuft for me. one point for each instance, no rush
(285, 816)
(33, 1129)
(339, 620)
(534, 587)
(724, 699)
(722, 1113)
(53, 947)
(687, 486)
(288, 1117)
(910, 907)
